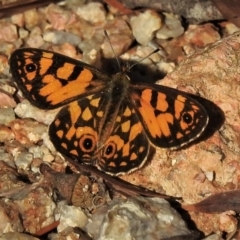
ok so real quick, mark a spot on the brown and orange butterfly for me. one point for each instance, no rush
(106, 121)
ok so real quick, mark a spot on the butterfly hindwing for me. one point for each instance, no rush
(127, 147)
(75, 130)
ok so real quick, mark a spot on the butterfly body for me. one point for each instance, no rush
(106, 121)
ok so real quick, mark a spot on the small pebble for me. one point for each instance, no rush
(6, 116)
(69, 216)
(147, 22)
(92, 12)
(172, 27)
(23, 160)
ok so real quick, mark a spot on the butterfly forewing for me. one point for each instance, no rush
(170, 117)
(49, 80)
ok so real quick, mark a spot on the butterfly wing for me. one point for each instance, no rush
(49, 80)
(75, 130)
(76, 133)
(171, 118)
(127, 147)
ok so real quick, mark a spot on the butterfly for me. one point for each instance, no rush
(105, 121)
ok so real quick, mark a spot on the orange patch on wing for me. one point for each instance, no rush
(133, 157)
(49, 79)
(163, 124)
(179, 106)
(112, 164)
(126, 149)
(74, 152)
(127, 112)
(86, 130)
(135, 130)
(181, 98)
(183, 125)
(51, 88)
(71, 132)
(64, 145)
(179, 135)
(87, 115)
(195, 107)
(100, 113)
(28, 87)
(30, 75)
(28, 61)
(123, 164)
(168, 117)
(118, 119)
(71, 90)
(85, 76)
(57, 122)
(47, 55)
(28, 54)
(149, 118)
(45, 64)
(141, 149)
(147, 95)
(125, 126)
(90, 97)
(162, 104)
(75, 111)
(95, 102)
(65, 71)
(60, 133)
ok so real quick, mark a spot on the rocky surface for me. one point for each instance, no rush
(199, 59)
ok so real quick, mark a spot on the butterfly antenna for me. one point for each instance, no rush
(155, 51)
(107, 36)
